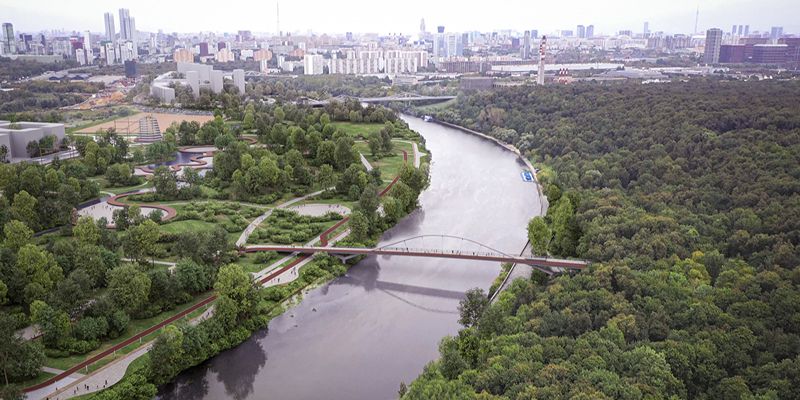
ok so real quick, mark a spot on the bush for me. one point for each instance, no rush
(156, 216)
(265, 257)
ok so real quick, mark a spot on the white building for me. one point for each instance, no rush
(313, 64)
(238, 80)
(87, 47)
(16, 136)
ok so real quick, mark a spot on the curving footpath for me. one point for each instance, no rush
(113, 349)
(46, 388)
(256, 222)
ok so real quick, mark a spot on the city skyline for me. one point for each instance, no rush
(675, 17)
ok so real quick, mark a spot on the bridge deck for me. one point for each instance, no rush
(456, 254)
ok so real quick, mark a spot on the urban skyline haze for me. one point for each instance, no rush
(363, 16)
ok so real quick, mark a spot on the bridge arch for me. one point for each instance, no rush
(463, 239)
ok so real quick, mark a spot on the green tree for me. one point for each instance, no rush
(119, 174)
(24, 209)
(128, 288)
(344, 155)
(359, 226)
(192, 277)
(235, 284)
(326, 153)
(17, 235)
(368, 203)
(141, 241)
(86, 231)
(40, 269)
(54, 324)
(539, 235)
(165, 181)
(249, 120)
(278, 114)
(472, 307)
(375, 144)
(19, 359)
(166, 356)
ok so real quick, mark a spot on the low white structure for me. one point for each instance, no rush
(195, 76)
(16, 136)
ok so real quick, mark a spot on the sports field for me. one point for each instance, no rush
(130, 124)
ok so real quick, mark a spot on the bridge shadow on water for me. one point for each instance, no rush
(366, 276)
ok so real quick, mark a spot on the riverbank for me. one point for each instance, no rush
(292, 268)
(509, 147)
(341, 329)
(516, 270)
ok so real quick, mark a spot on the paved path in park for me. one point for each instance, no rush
(364, 161)
(256, 222)
(106, 376)
(417, 154)
(318, 210)
(293, 273)
(114, 371)
(170, 265)
(29, 332)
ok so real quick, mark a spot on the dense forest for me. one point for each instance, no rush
(12, 70)
(687, 198)
(42, 95)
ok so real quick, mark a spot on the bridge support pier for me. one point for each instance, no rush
(345, 257)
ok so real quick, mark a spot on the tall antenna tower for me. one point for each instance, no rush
(696, 18)
(542, 51)
(278, 18)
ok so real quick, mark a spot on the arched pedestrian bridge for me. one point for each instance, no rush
(436, 246)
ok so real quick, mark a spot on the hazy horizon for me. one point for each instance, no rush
(363, 16)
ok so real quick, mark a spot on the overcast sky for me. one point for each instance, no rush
(337, 16)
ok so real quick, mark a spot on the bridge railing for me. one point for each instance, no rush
(443, 251)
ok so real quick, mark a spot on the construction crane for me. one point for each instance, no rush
(542, 51)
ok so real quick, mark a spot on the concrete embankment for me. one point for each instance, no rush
(517, 270)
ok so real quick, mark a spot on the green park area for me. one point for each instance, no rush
(89, 288)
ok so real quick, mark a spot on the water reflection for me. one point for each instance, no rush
(237, 376)
(359, 336)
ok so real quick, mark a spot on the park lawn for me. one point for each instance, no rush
(135, 326)
(41, 377)
(248, 262)
(119, 190)
(196, 226)
(389, 165)
(187, 225)
(358, 130)
(89, 123)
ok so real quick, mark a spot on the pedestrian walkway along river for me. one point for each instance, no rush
(362, 334)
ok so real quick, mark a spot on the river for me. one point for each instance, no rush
(362, 334)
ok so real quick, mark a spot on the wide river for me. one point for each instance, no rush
(362, 334)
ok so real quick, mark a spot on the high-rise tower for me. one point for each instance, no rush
(111, 32)
(542, 51)
(9, 41)
(127, 27)
(713, 43)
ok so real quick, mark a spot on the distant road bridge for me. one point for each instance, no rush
(386, 99)
(477, 252)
